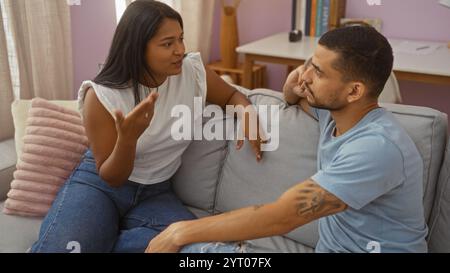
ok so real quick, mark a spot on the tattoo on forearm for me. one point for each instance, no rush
(312, 199)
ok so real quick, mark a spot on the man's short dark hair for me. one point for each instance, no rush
(364, 55)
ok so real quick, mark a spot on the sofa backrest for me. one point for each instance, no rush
(439, 234)
(244, 182)
(241, 181)
(428, 129)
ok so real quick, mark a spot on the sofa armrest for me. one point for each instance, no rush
(8, 161)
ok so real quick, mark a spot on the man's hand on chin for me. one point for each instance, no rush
(294, 87)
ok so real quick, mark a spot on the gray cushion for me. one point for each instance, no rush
(17, 234)
(278, 244)
(428, 129)
(439, 234)
(7, 166)
(245, 182)
(195, 182)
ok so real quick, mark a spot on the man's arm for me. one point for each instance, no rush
(299, 205)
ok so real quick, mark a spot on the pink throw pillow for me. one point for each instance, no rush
(54, 143)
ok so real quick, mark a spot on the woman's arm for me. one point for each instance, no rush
(223, 94)
(113, 141)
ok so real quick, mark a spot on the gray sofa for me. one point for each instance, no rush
(215, 178)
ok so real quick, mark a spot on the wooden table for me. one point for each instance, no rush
(433, 68)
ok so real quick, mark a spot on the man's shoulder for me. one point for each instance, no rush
(383, 139)
(381, 128)
(374, 142)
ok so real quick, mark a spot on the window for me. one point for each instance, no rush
(12, 55)
(122, 4)
(120, 8)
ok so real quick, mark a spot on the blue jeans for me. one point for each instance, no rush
(90, 216)
(218, 247)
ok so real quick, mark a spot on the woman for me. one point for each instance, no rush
(119, 197)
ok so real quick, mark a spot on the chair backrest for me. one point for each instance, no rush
(391, 91)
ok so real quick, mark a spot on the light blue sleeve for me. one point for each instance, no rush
(315, 112)
(363, 170)
(323, 116)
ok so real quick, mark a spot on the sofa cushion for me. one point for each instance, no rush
(244, 182)
(17, 233)
(195, 181)
(428, 129)
(7, 166)
(53, 144)
(439, 235)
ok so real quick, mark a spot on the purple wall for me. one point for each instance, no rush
(412, 19)
(93, 25)
(409, 19)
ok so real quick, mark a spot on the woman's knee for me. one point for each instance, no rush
(81, 218)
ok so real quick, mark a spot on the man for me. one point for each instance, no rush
(367, 191)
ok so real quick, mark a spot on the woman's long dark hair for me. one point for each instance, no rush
(126, 65)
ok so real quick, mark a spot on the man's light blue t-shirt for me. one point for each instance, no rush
(376, 169)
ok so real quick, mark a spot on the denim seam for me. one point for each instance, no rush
(145, 221)
(109, 195)
(136, 198)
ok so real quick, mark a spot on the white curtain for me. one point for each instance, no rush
(6, 90)
(198, 19)
(42, 38)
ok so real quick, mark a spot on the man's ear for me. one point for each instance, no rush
(357, 90)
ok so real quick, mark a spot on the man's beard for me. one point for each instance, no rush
(323, 106)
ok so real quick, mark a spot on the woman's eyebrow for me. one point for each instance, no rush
(168, 38)
(171, 37)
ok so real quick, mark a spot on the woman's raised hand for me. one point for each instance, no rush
(137, 121)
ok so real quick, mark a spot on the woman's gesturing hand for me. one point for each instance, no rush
(137, 121)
